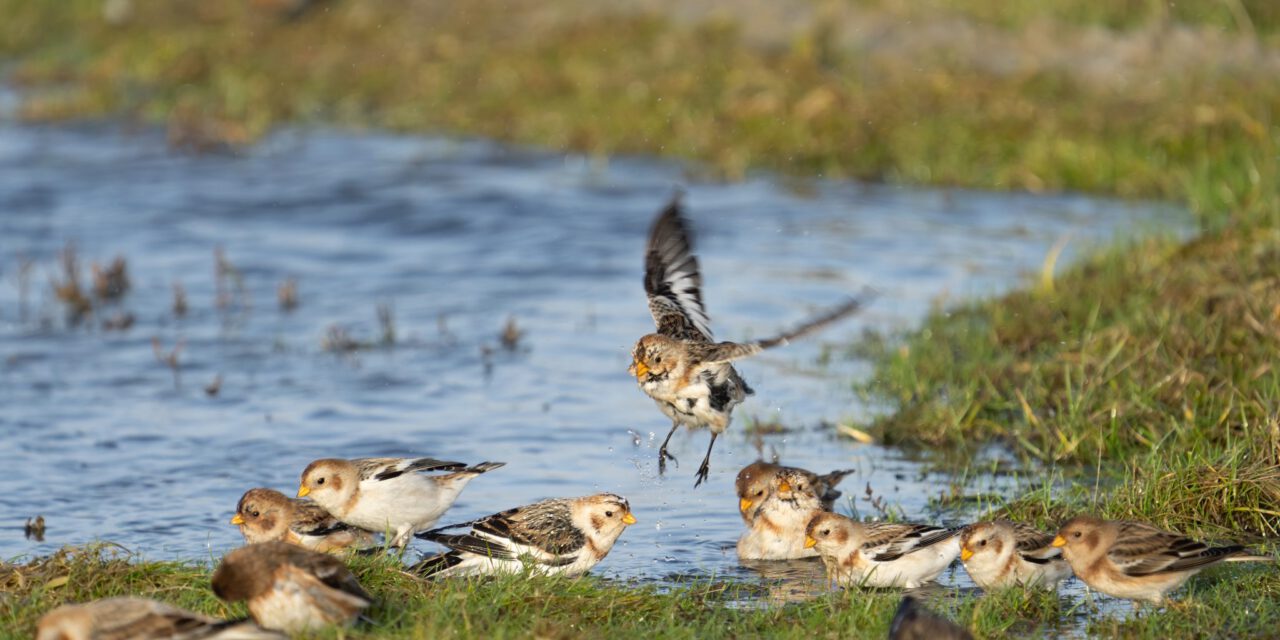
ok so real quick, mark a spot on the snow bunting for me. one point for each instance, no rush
(914, 621)
(687, 374)
(1136, 561)
(1001, 553)
(289, 588)
(777, 527)
(563, 536)
(264, 515)
(141, 619)
(755, 481)
(881, 554)
(381, 494)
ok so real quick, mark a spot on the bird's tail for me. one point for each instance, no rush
(832, 479)
(483, 467)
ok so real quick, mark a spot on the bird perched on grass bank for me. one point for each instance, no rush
(755, 482)
(881, 554)
(381, 494)
(141, 619)
(1136, 561)
(563, 536)
(1000, 553)
(777, 518)
(289, 588)
(688, 375)
(266, 515)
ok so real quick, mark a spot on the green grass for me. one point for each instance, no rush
(1141, 381)
(608, 82)
(520, 607)
(1237, 16)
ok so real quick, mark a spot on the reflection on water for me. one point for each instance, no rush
(454, 238)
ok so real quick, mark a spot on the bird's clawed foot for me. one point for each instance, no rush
(706, 462)
(663, 456)
(703, 471)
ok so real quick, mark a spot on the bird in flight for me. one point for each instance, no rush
(687, 373)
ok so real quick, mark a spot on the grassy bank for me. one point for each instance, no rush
(1145, 375)
(519, 607)
(939, 94)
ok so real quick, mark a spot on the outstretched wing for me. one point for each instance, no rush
(672, 279)
(730, 351)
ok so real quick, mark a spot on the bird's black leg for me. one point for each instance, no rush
(706, 462)
(662, 453)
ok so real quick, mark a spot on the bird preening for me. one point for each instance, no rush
(688, 374)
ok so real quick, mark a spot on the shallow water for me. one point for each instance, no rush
(455, 237)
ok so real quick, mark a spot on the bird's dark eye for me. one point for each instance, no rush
(657, 360)
(982, 544)
(1076, 534)
(253, 513)
(826, 531)
(320, 481)
(608, 514)
(760, 492)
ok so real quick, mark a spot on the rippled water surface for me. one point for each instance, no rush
(455, 237)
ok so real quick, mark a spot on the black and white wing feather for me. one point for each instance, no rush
(889, 541)
(672, 279)
(543, 532)
(388, 468)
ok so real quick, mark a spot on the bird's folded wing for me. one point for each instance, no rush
(1034, 545)
(888, 541)
(159, 622)
(311, 519)
(1141, 549)
(330, 571)
(388, 468)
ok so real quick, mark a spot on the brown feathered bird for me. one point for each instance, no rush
(141, 619)
(290, 588)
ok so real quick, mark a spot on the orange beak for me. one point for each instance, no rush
(965, 553)
(638, 369)
(1059, 541)
(809, 542)
(628, 518)
(744, 504)
(236, 519)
